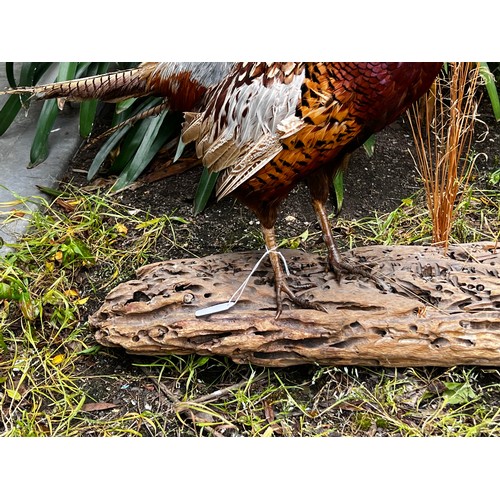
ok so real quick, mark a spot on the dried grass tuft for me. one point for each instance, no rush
(443, 125)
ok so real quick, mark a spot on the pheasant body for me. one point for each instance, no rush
(338, 106)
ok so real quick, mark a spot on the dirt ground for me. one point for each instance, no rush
(371, 184)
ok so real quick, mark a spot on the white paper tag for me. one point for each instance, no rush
(236, 295)
(214, 309)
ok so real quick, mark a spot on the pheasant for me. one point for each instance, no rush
(267, 126)
(264, 127)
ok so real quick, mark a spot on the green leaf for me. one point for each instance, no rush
(204, 190)
(9, 112)
(491, 88)
(458, 393)
(50, 191)
(40, 147)
(13, 394)
(7, 292)
(25, 80)
(148, 148)
(106, 148)
(494, 177)
(124, 105)
(40, 69)
(88, 109)
(369, 146)
(130, 145)
(90, 350)
(338, 190)
(87, 116)
(9, 71)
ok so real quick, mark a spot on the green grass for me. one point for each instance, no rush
(55, 380)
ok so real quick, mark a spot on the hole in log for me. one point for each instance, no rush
(440, 342)
(355, 325)
(276, 355)
(463, 303)
(207, 295)
(479, 288)
(181, 287)
(136, 338)
(413, 328)
(357, 307)
(205, 339)
(347, 344)
(479, 325)
(465, 342)
(380, 331)
(139, 297)
(312, 343)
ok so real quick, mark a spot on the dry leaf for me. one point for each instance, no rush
(98, 406)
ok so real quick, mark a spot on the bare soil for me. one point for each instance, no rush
(376, 184)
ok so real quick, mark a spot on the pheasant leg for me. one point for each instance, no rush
(319, 183)
(335, 262)
(280, 283)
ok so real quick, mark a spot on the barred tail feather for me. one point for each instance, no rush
(109, 87)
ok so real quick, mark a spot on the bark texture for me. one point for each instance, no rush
(439, 311)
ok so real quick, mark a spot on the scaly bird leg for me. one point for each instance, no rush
(335, 262)
(280, 283)
(319, 183)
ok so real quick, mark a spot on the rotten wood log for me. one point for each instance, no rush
(440, 311)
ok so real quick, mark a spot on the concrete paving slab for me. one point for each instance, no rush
(18, 184)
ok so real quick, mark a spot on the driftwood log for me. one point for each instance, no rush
(440, 310)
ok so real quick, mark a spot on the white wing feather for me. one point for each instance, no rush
(245, 133)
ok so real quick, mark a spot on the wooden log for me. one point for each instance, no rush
(441, 310)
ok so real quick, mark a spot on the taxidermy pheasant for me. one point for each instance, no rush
(266, 126)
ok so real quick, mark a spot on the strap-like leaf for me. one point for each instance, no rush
(144, 154)
(204, 190)
(9, 112)
(9, 71)
(103, 153)
(40, 147)
(489, 81)
(338, 189)
(161, 128)
(30, 73)
(88, 108)
(87, 116)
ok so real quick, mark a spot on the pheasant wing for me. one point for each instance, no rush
(247, 115)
